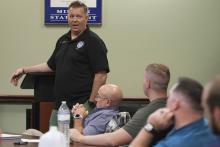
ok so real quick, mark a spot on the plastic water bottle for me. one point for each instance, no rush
(53, 138)
(64, 121)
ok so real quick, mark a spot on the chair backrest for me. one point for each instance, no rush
(117, 121)
(131, 105)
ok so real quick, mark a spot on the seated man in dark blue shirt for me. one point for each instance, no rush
(108, 99)
(184, 110)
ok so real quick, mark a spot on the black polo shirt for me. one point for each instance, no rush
(75, 63)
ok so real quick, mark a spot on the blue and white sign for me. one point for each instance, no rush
(56, 11)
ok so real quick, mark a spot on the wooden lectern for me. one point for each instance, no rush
(43, 103)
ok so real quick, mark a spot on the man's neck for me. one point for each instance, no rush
(74, 35)
(186, 118)
(155, 95)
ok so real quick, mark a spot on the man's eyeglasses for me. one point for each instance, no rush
(100, 98)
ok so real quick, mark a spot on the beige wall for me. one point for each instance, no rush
(13, 117)
(183, 34)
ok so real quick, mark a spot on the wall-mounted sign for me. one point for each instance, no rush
(56, 11)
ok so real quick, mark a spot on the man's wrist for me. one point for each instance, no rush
(150, 129)
(80, 138)
(77, 116)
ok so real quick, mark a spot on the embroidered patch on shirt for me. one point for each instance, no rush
(80, 45)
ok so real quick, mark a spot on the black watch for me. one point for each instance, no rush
(77, 116)
(150, 129)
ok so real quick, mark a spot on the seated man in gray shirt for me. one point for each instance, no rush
(108, 99)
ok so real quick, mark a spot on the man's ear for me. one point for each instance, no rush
(87, 18)
(216, 113)
(175, 104)
(109, 102)
(147, 84)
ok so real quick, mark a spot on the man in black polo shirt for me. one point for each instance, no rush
(79, 61)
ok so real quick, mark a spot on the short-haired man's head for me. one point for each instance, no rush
(112, 92)
(79, 4)
(213, 93)
(158, 75)
(192, 92)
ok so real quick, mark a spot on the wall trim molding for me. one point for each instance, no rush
(16, 99)
(28, 99)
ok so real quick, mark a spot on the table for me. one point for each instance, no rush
(10, 143)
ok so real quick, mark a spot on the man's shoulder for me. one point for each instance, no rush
(160, 102)
(92, 35)
(151, 107)
(105, 112)
(65, 36)
(187, 135)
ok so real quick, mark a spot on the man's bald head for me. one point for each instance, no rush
(112, 92)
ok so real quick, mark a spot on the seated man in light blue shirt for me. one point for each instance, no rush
(185, 112)
(107, 102)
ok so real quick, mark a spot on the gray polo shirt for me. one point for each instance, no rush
(139, 119)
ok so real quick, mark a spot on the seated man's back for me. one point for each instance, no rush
(195, 134)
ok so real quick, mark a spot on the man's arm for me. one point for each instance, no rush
(143, 139)
(28, 69)
(78, 124)
(160, 120)
(99, 80)
(79, 114)
(119, 137)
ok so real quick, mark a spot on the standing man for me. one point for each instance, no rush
(156, 79)
(79, 61)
